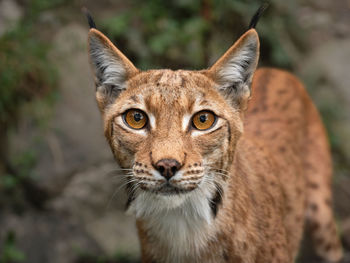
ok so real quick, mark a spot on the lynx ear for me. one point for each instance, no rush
(111, 68)
(233, 72)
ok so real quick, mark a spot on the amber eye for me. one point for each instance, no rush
(203, 120)
(136, 119)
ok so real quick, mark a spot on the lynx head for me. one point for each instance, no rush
(175, 130)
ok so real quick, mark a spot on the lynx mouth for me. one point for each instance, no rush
(168, 189)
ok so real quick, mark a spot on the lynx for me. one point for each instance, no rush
(226, 164)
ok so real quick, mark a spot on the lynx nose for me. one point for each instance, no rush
(168, 167)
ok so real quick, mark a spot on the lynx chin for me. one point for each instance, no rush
(227, 164)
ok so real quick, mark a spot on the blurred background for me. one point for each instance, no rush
(59, 196)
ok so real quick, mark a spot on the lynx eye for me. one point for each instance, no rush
(203, 120)
(135, 119)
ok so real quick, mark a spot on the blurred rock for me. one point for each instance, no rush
(92, 192)
(10, 14)
(328, 66)
(96, 199)
(47, 237)
(74, 137)
(87, 217)
(116, 233)
(78, 139)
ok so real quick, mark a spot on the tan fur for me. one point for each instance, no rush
(268, 160)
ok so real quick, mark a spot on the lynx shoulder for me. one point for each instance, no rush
(227, 163)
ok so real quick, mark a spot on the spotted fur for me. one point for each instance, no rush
(245, 185)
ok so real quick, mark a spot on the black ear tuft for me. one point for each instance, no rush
(89, 18)
(257, 15)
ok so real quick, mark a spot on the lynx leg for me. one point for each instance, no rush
(319, 213)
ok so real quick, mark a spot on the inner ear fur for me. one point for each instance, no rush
(234, 71)
(110, 66)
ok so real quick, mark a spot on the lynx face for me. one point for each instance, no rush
(175, 130)
(172, 129)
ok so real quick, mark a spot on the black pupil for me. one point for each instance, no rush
(138, 116)
(203, 118)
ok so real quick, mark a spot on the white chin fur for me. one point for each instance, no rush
(185, 220)
(192, 205)
(148, 203)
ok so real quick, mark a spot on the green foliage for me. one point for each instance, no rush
(25, 74)
(34, 7)
(192, 34)
(24, 164)
(10, 253)
(159, 33)
(25, 70)
(16, 185)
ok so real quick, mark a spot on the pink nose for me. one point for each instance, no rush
(168, 167)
